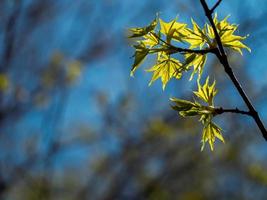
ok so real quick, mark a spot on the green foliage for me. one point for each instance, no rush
(166, 68)
(142, 31)
(204, 109)
(226, 33)
(163, 38)
(140, 54)
(197, 61)
(196, 37)
(160, 37)
(206, 92)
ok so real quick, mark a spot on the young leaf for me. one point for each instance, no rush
(197, 61)
(139, 56)
(189, 113)
(226, 32)
(210, 132)
(206, 92)
(150, 40)
(197, 37)
(173, 30)
(141, 31)
(182, 105)
(188, 108)
(166, 68)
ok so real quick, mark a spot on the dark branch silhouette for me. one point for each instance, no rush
(221, 110)
(215, 6)
(221, 55)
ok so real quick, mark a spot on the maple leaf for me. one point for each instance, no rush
(197, 61)
(226, 32)
(141, 31)
(165, 68)
(210, 132)
(150, 39)
(197, 37)
(206, 92)
(173, 30)
(140, 54)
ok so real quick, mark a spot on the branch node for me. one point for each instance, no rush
(215, 6)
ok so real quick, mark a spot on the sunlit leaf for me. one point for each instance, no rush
(141, 31)
(173, 30)
(197, 61)
(210, 132)
(197, 37)
(206, 92)
(166, 68)
(140, 54)
(150, 40)
(226, 32)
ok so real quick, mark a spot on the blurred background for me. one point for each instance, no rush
(75, 125)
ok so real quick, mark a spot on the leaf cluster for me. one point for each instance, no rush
(166, 40)
(203, 107)
(162, 38)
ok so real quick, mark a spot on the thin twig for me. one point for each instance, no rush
(215, 6)
(221, 110)
(224, 61)
(202, 51)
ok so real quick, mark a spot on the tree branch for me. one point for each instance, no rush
(215, 6)
(175, 49)
(202, 51)
(221, 110)
(220, 53)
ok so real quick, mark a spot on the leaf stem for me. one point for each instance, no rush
(221, 55)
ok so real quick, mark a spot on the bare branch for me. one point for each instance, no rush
(221, 110)
(215, 6)
(182, 50)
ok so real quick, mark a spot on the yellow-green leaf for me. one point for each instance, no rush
(197, 61)
(206, 92)
(197, 37)
(139, 56)
(173, 30)
(165, 68)
(141, 31)
(210, 132)
(181, 105)
(150, 40)
(226, 32)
